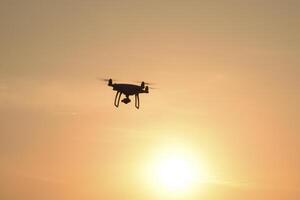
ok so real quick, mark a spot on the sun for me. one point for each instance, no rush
(176, 172)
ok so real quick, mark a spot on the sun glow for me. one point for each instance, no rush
(176, 172)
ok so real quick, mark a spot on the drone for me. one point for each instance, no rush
(128, 90)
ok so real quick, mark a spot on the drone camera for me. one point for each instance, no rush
(126, 100)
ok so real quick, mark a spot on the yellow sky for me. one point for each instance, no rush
(228, 78)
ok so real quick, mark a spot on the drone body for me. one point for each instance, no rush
(127, 90)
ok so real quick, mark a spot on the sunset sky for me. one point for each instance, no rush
(224, 119)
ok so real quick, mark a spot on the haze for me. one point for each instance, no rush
(228, 78)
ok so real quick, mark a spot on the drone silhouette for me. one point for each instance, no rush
(128, 90)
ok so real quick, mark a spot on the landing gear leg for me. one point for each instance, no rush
(137, 101)
(117, 98)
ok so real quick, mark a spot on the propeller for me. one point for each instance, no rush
(146, 83)
(110, 81)
(105, 79)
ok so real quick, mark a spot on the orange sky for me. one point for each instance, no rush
(228, 78)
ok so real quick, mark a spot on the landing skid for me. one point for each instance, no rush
(118, 97)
